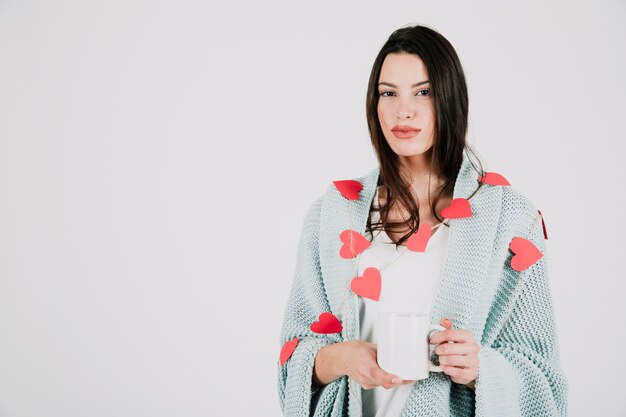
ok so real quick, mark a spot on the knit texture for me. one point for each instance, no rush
(509, 312)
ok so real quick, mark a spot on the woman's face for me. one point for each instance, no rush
(405, 103)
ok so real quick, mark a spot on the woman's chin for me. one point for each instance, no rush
(409, 152)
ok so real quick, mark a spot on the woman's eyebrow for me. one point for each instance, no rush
(395, 86)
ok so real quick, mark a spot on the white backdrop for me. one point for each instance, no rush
(157, 159)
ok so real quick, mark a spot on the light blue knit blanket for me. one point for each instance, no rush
(510, 313)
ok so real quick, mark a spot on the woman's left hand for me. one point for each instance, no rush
(459, 360)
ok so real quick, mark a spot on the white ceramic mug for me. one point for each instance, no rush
(404, 345)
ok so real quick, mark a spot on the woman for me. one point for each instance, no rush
(476, 265)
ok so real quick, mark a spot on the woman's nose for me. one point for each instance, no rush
(404, 115)
(404, 109)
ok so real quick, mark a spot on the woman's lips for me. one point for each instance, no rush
(404, 132)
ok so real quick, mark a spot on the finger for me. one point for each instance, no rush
(385, 379)
(463, 361)
(447, 323)
(455, 335)
(461, 348)
(369, 377)
(459, 375)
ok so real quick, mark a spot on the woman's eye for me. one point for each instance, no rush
(386, 93)
(426, 92)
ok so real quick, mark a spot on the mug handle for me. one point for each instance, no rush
(433, 328)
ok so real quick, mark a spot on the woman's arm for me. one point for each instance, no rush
(313, 379)
(328, 364)
(298, 396)
(520, 373)
(355, 358)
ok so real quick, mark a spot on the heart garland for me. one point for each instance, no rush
(287, 349)
(417, 241)
(526, 254)
(543, 224)
(326, 323)
(493, 178)
(353, 244)
(349, 188)
(370, 284)
(459, 208)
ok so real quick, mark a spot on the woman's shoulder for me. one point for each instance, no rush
(515, 200)
(517, 207)
(354, 188)
(340, 191)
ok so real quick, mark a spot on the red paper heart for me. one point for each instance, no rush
(287, 350)
(525, 252)
(326, 323)
(349, 188)
(545, 232)
(458, 208)
(368, 285)
(353, 244)
(417, 241)
(493, 178)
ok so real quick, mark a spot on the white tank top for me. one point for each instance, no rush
(408, 285)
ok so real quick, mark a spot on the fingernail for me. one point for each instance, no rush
(396, 380)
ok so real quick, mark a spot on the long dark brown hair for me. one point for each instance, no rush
(449, 92)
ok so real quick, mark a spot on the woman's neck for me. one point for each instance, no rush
(418, 170)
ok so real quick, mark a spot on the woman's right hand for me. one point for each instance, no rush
(355, 358)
